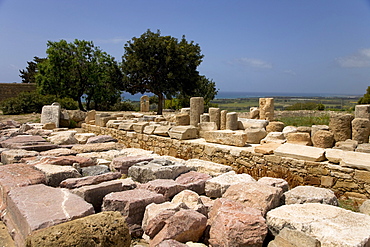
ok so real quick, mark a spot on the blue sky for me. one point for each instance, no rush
(292, 46)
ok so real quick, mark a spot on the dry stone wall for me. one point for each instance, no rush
(9, 90)
(343, 180)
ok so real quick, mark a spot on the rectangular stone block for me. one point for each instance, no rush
(122, 164)
(162, 130)
(362, 111)
(55, 174)
(51, 114)
(139, 127)
(226, 137)
(300, 152)
(183, 132)
(356, 160)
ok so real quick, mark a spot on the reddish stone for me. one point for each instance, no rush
(171, 243)
(72, 183)
(166, 187)
(194, 181)
(67, 161)
(59, 152)
(17, 175)
(122, 163)
(156, 224)
(101, 139)
(15, 155)
(22, 140)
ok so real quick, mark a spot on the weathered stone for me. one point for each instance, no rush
(255, 195)
(15, 155)
(49, 126)
(234, 224)
(274, 137)
(95, 193)
(5, 238)
(289, 129)
(171, 243)
(207, 167)
(255, 135)
(144, 103)
(362, 111)
(245, 123)
(365, 207)
(347, 145)
(356, 160)
(128, 126)
(167, 187)
(156, 169)
(267, 148)
(223, 120)
(204, 118)
(266, 106)
(192, 200)
(27, 213)
(323, 139)
(275, 182)
(316, 128)
(131, 204)
(183, 226)
(275, 126)
(226, 137)
(254, 113)
(66, 161)
(183, 132)
(182, 119)
(97, 147)
(72, 183)
(206, 126)
(196, 109)
(340, 125)
(304, 129)
(331, 225)
(292, 238)
(122, 164)
(217, 186)
(22, 140)
(361, 130)
(102, 119)
(55, 174)
(194, 181)
(162, 130)
(139, 127)
(51, 114)
(95, 170)
(232, 121)
(102, 229)
(149, 129)
(215, 116)
(101, 139)
(363, 148)
(299, 138)
(63, 138)
(310, 194)
(300, 152)
(58, 152)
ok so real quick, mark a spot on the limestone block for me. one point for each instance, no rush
(217, 186)
(275, 182)
(232, 121)
(323, 139)
(90, 115)
(206, 126)
(194, 181)
(172, 243)
(196, 109)
(100, 168)
(185, 225)
(288, 237)
(66, 161)
(289, 129)
(300, 152)
(64, 120)
(274, 137)
(226, 137)
(204, 118)
(267, 148)
(234, 224)
(304, 129)
(58, 152)
(223, 119)
(334, 155)
(363, 148)
(156, 169)
(362, 111)
(347, 145)
(149, 129)
(299, 138)
(215, 116)
(49, 126)
(254, 113)
(266, 106)
(167, 187)
(361, 130)
(139, 127)
(255, 195)
(95, 193)
(131, 204)
(15, 155)
(185, 110)
(97, 147)
(340, 125)
(310, 194)
(245, 123)
(104, 227)
(365, 207)
(27, 213)
(192, 200)
(51, 114)
(72, 183)
(127, 126)
(183, 132)
(55, 174)
(316, 128)
(101, 139)
(275, 126)
(255, 135)
(102, 119)
(122, 163)
(144, 103)
(182, 119)
(356, 160)
(331, 225)
(63, 138)
(162, 130)
(113, 123)
(211, 168)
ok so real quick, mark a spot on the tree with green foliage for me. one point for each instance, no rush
(162, 65)
(366, 98)
(28, 74)
(79, 69)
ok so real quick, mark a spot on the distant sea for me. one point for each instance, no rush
(239, 95)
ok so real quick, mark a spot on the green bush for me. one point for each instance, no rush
(302, 106)
(123, 106)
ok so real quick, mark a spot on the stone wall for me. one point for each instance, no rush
(342, 180)
(9, 90)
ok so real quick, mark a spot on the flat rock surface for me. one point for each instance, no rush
(332, 226)
(310, 194)
(301, 152)
(72, 183)
(97, 147)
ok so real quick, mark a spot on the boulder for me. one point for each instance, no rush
(331, 225)
(217, 186)
(63, 138)
(323, 139)
(101, 139)
(275, 182)
(192, 201)
(300, 138)
(55, 174)
(291, 238)
(300, 152)
(49, 126)
(316, 128)
(255, 135)
(15, 155)
(183, 132)
(207, 167)
(254, 113)
(167, 187)
(95, 170)
(102, 229)
(310, 194)
(122, 163)
(274, 137)
(363, 148)
(226, 137)
(194, 181)
(77, 115)
(340, 125)
(365, 207)
(171, 243)
(275, 126)
(289, 129)
(347, 145)
(255, 195)
(27, 213)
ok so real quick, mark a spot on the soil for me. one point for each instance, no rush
(24, 118)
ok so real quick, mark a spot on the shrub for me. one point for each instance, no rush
(123, 106)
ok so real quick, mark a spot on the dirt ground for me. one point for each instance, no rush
(24, 118)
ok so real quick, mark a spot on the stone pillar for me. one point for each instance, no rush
(144, 103)
(266, 108)
(204, 118)
(196, 109)
(232, 121)
(223, 120)
(362, 111)
(215, 116)
(51, 114)
(340, 125)
(361, 130)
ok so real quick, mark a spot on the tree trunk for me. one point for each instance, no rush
(160, 103)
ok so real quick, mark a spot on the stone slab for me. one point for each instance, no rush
(72, 183)
(207, 167)
(55, 174)
(356, 160)
(122, 164)
(51, 114)
(300, 152)
(183, 132)
(97, 147)
(226, 137)
(15, 155)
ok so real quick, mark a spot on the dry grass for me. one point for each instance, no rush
(24, 118)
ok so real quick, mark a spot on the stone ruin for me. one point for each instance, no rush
(61, 187)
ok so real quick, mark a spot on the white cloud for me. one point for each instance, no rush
(252, 62)
(360, 59)
(113, 41)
